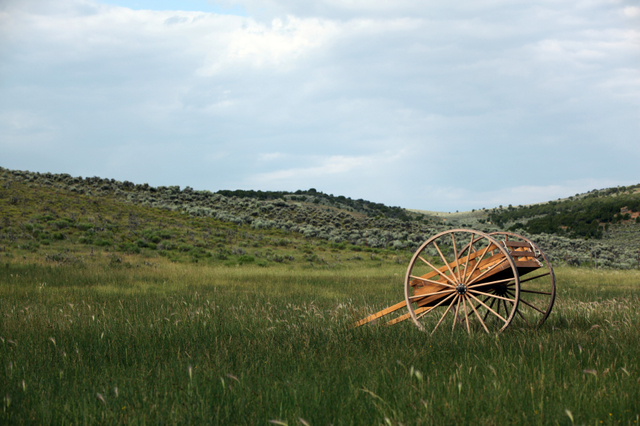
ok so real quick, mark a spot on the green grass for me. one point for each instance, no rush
(39, 223)
(119, 313)
(149, 341)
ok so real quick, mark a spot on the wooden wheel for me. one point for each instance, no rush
(460, 277)
(537, 287)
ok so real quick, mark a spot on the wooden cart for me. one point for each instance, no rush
(476, 281)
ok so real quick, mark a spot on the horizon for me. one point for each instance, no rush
(313, 189)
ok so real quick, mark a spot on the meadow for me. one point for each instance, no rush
(122, 312)
(144, 340)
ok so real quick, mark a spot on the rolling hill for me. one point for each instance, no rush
(43, 209)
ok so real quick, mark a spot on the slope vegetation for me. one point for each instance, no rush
(586, 215)
(42, 210)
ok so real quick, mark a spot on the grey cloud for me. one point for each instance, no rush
(477, 97)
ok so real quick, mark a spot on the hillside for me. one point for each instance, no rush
(43, 209)
(365, 207)
(585, 215)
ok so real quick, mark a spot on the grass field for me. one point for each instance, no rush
(148, 341)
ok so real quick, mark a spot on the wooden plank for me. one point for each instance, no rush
(407, 316)
(430, 288)
(527, 264)
(432, 274)
(522, 253)
(428, 299)
(516, 244)
(494, 263)
(381, 313)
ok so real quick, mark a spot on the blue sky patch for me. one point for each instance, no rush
(184, 5)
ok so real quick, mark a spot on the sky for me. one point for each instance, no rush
(422, 104)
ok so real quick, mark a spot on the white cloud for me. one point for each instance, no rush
(326, 167)
(277, 45)
(632, 11)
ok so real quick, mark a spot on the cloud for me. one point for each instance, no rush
(519, 194)
(632, 11)
(323, 167)
(277, 45)
(429, 105)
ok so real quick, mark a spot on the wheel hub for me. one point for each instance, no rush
(461, 289)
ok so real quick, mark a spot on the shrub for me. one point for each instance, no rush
(60, 224)
(129, 248)
(222, 255)
(84, 226)
(165, 235)
(244, 259)
(167, 245)
(30, 246)
(397, 244)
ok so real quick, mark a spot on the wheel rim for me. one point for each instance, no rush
(460, 277)
(537, 288)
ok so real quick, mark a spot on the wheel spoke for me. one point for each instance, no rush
(478, 260)
(466, 265)
(533, 278)
(445, 313)
(479, 319)
(533, 291)
(455, 317)
(492, 295)
(494, 312)
(444, 260)
(422, 296)
(490, 282)
(487, 271)
(506, 311)
(470, 245)
(491, 306)
(522, 316)
(466, 315)
(531, 306)
(474, 240)
(438, 304)
(438, 270)
(432, 282)
(485, 300)
(455, 255)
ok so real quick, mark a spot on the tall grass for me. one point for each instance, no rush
(186, 344)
